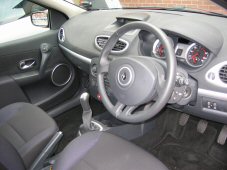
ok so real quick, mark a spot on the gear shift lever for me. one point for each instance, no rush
(89, 124)
(87, 112)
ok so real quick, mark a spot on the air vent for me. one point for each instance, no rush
(119, 47)
(223, 74)
(61, 35)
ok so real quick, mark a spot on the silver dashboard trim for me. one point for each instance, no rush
(184, 47)
(212, 94)
(113, 52)
(215, 79)
(78, 56)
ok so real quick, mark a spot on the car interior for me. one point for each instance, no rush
(96, 85)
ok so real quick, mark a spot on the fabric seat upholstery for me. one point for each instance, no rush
(27, 128)
(9, 157)
(103, 151)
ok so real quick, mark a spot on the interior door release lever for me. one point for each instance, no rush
(27, 64)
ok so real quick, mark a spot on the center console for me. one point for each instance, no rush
(106, 122)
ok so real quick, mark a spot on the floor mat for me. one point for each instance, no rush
(178, 157)
(183, 148)
(70, 121)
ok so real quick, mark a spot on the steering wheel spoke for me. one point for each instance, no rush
(118, 107)
(122, 109)
(128, 110)
(161, 79)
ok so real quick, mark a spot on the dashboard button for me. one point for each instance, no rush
(99, 97)
(211, 76)
(179, 52)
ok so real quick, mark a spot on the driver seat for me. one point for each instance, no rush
(103, 151)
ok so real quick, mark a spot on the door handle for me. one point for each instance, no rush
(27, 64)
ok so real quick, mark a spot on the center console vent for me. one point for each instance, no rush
(223, 74)
(120, 47)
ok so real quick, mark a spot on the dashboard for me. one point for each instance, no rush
(199, 42)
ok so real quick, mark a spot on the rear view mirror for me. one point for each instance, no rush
(86, 4)
(40, 18)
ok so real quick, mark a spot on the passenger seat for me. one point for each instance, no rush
(24, 132)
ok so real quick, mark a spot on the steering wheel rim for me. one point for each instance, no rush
(168, 85)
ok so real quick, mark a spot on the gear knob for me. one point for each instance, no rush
(87, 112)
(84, 101)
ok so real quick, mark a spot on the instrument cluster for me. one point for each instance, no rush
(190, 53)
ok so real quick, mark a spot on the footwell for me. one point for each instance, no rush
(182, 147)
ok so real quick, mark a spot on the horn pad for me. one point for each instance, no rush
(133, 80)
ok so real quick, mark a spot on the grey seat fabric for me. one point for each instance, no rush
(9, 157)
(103, 151)
(27, 128)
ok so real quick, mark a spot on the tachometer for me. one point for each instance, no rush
(196, 55)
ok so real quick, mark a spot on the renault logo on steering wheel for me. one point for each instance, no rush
(124, 76)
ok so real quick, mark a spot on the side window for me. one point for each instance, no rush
(11, 10)
(17, 14)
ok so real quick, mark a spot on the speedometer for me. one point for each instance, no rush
(158, 49)
(196, 55)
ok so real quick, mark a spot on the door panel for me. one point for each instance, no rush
(28, 44)
(10, 92)
(13, 52)
(9, 64)
(38, 90)
(22, 78)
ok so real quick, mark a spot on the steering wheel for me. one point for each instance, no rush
(136, 80)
